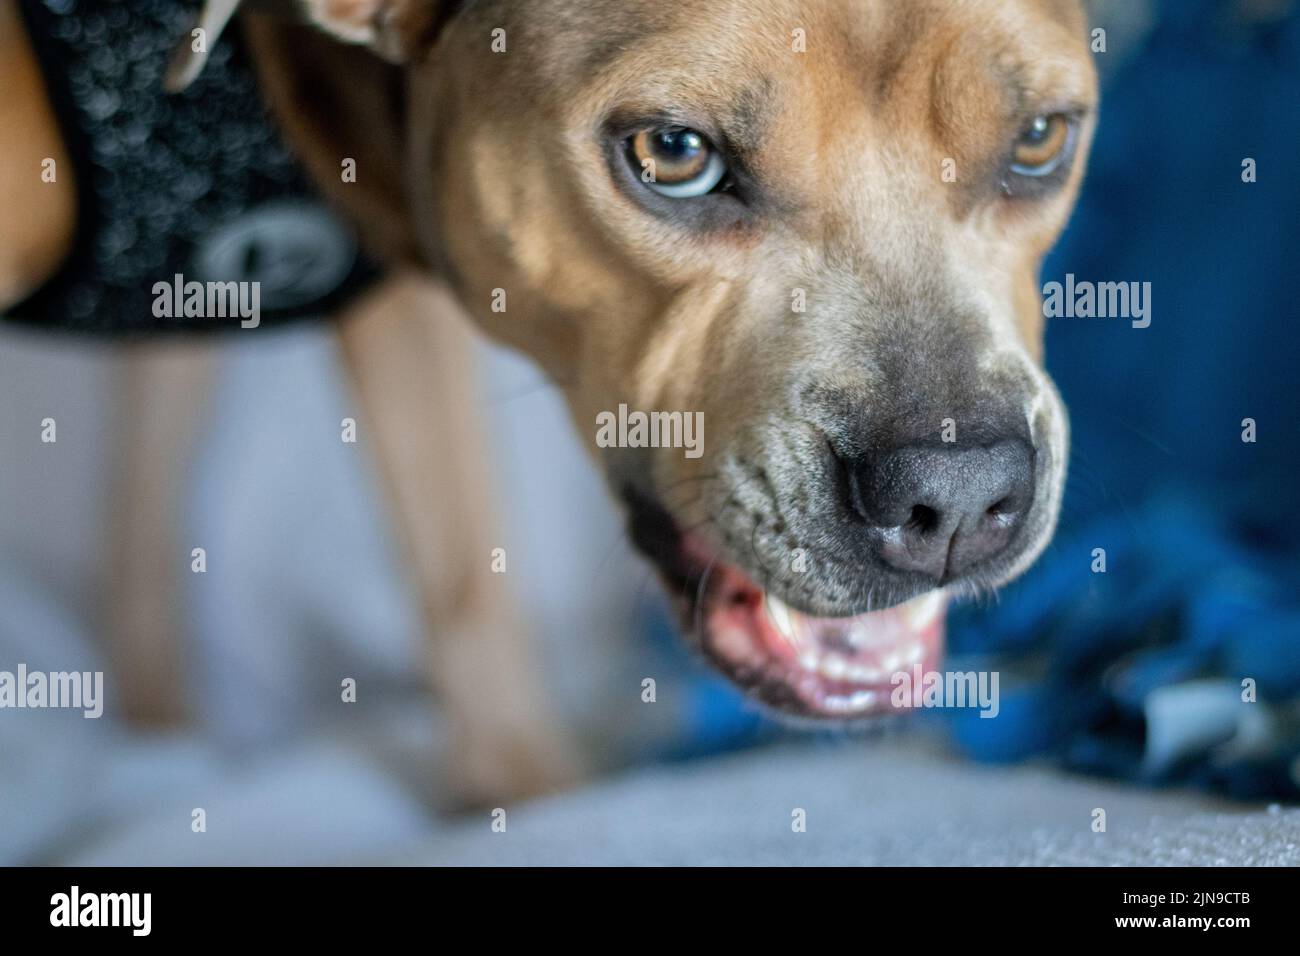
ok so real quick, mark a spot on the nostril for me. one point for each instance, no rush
(999, 508)
(1006, 512)
(923, 519)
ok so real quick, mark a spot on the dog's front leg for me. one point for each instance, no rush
(161, 394)
(409, 354)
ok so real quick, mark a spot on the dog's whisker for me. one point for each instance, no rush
(701, 589)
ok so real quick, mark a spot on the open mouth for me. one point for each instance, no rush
(813, 667)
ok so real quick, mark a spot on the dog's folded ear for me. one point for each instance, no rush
(395, 29)
(344, 109)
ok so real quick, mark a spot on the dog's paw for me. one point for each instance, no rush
(509, 765)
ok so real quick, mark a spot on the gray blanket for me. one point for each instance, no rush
(885, 804)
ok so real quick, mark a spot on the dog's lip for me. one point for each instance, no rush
(824, 668)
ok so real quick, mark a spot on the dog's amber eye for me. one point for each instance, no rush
(1043, 145)
(676, 161)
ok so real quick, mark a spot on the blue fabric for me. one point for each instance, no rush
(1200, 528)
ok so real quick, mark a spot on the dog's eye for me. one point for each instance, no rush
(1043, 145)
(676, 161)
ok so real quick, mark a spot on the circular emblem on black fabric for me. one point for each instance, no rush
(298, 252)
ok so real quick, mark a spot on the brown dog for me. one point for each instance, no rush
(835, 263)
(814, 226)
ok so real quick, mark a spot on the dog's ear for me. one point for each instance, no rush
(395, 29)
(343, 109)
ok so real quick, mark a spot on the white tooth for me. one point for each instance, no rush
(860, 635)
(865, 675)
(901, 658)
(780, 616)
(921, 611)
(858, 701)
(834, 666)
(809, 660)
(865, 636)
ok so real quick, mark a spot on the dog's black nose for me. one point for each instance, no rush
(941, 509)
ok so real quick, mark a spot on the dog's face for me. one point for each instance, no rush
(818, 223)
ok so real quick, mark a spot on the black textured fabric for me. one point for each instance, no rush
(162, 178)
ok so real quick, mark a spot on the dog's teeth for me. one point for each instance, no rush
(920, 612)
(864, 636)
(861, 636)
(809, 660)
(781, 616)
(834, 666)
(900, 658)
(857, 701)
(865, 675)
